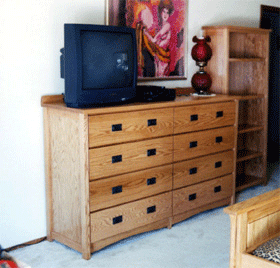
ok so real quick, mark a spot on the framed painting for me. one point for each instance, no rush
(161, 33)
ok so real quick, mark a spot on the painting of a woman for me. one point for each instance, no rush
(160, 30)
(162, 38)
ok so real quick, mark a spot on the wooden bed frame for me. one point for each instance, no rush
(253, 222)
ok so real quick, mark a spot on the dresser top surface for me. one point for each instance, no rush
(57, 102)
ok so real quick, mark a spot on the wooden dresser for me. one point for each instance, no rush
(118, 171)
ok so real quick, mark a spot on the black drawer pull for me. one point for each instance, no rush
(116, 159)
(194, 117)
(217, 189)
(193, 144)
(151, 152)
(192, 197)
(117, 127)
(218, 164)
(151, 209)
(193, 171)
(117, 189)
(151, 181)
(117, 220)
(152, 122)
(219, 139)
(220, 114)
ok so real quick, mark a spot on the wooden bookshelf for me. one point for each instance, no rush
(239, 66)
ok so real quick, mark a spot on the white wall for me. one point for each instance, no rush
(31, 35)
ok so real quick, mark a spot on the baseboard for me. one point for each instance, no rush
(29, 243)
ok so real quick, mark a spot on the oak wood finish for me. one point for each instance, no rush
(253, 222)
(134, 156)
(239, 66)
(119, 171)
(195, 144)
(249, 260)
(132, 215)
(197, 195)
(100, 127)
(135, 185)
(145, 228)
(189, 213)
(202, 117)
(203, 168)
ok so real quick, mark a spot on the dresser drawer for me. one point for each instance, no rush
(113, 221)
(204, 193)
(124, 127)
(124, 158)
(199, 117)
(125, 188)
(203, 168)
(200, 143)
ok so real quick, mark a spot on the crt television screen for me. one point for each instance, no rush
(107, 60)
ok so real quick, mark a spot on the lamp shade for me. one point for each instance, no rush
(201, 52)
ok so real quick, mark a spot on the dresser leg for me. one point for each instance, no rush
(232, 200)
(170, 223)
(86, 255)
(49, 238)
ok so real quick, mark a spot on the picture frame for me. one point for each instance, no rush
(161, 32)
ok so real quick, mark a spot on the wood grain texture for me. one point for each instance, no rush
(218, 66)
(189, 213)
(200, 117)
(239, 66)
(48, 174)
(65, 170)
(253, 203)
(194, 144)
(132, 126)
(239, 29)
(271, 208)
(134, 186)
(51, 101)
(253, 222)
(142, 229)
(241, 238)
(202, 169)
(233, 198)
(133, 215)
(103, 186)
(134, 156)
(197, 195)
(233, 241)
(263, 228)
(249, 260)
(84, 185)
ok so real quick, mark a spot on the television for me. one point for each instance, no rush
(99, 65)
